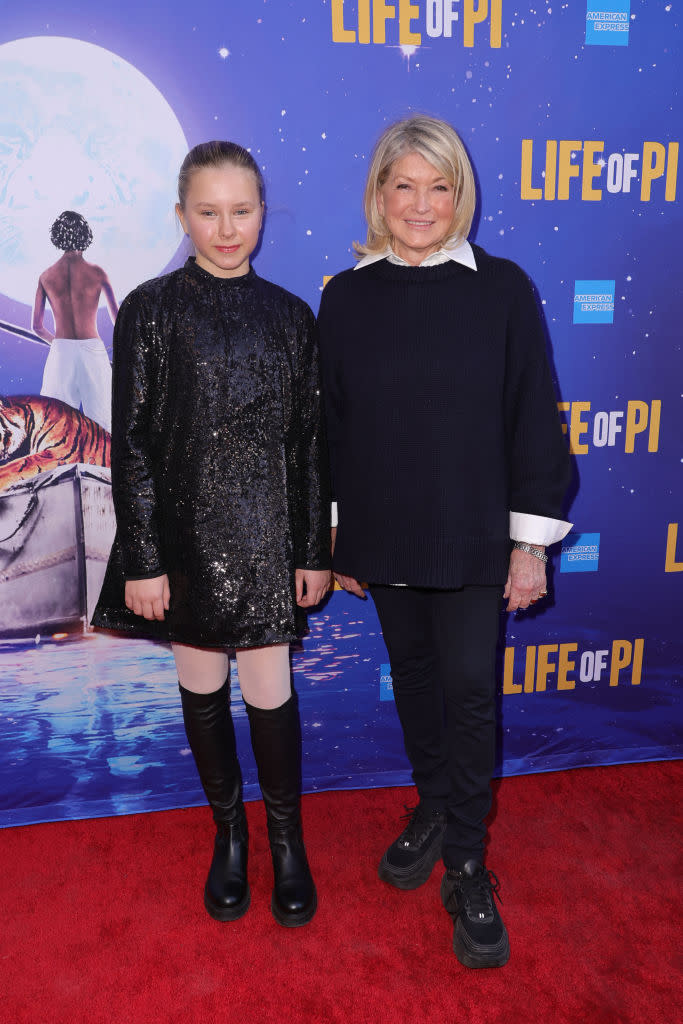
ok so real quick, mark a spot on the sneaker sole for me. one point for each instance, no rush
(417, 875)
(471, 954)
(227, 913)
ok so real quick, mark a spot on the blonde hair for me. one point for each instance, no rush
(440, 145)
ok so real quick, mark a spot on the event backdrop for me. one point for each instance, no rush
(570, 113)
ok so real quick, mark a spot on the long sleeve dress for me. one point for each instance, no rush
(219, 470)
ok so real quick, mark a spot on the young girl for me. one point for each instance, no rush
(220, 488)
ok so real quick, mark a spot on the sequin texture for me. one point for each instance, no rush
(219, 461)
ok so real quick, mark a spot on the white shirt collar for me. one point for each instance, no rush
(461, 253)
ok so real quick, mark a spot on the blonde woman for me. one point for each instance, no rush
(449, 471)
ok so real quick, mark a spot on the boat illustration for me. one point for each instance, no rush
(56, 531)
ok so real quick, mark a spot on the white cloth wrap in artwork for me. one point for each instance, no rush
(78, 372)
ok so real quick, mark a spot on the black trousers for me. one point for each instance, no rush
(442, 650)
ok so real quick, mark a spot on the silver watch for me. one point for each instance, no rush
(530, 550)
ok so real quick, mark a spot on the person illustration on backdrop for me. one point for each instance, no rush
(221, 493)
(77, 370)
(449, 469)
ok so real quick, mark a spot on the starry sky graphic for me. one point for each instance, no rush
(268, 74)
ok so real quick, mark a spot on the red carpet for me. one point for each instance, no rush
(103, 920)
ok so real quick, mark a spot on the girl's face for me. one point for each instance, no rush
(222, 215)
(416, 202)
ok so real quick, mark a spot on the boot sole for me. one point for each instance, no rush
(227, 913)
(418, 875)
(293, 920)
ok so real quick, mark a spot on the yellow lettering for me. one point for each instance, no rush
(408, 12)
(577, 427)
(621, 657)
(381, 13)
(591, 170)
(527, 190)
(651, 169)
(655, 416)
(339, 33)
(530, 669)
(509, 686)
(670, 563)
(474, 14)
(566, 169)
(563, 407)
(550, 168)
(636, 422)
(363, 21)
(496, 23)
(565, 665)
(637, 670)
(671, 173)
(544, 665)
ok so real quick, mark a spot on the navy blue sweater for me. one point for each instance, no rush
(441, 418)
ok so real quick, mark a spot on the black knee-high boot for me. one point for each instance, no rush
(276, 741)
(211, 734)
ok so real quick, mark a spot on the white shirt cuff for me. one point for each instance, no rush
(335, 519)
(537, 529)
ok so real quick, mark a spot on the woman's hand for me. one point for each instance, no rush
(526, 580)
(315, 583)
(348, 583)
(149, 598)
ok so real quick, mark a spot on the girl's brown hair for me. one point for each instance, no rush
(215, 154)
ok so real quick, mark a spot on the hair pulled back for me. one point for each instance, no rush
(215, 154)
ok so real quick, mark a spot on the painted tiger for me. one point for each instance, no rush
(38, 434)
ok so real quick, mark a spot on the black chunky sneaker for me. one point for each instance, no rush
(410, 859)
(480, 938)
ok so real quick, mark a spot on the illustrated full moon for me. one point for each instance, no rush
(81, 129)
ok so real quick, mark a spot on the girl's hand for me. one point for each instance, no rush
(149, 598)
(315, 583)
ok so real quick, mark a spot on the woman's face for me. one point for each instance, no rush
(222, 215)
(416, 202)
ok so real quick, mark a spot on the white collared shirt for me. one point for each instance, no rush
(460, 252)
(523, 525)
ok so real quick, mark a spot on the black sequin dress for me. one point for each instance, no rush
(219, 461)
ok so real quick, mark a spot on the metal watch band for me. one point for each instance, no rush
(522, 546)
